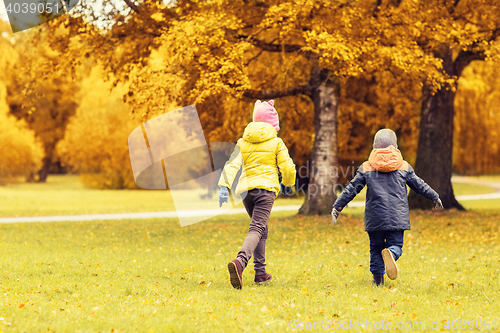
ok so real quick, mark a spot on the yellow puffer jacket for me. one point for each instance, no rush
(261, 153)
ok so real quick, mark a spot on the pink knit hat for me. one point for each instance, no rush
(265, 112)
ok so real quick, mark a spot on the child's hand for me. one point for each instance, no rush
(287, 190)
(223, 195)
(438, 204)
(335, 215)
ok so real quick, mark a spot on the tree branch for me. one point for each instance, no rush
(254, 57)
(132, 6)
(269, 94)
(464, 58)
(269, 46)
(451, 11)
(377, 8)
(496, 34)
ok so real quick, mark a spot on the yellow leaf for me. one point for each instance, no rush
(158, 17)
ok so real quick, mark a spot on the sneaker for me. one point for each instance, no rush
(259, 279)
(378, 280)
(235, 273)
(390, 264)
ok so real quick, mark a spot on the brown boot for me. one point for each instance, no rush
(235, 273)
(391, 269)
(259, 279)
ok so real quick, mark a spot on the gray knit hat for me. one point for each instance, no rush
(385, 138)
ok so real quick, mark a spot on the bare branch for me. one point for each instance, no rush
(496, 34)
(377, 8)
(269, 46)
(464, 58)
(132, 6)
(254, 57)
(267, 94)
(453, 7)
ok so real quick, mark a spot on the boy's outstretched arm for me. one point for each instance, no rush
(419, 186)
(351, 190)
(229, 173)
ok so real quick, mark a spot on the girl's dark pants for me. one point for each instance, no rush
(258, 203)
(379, 240)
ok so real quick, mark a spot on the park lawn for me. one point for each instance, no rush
(66, 195)
(485, 206)
(154, 276)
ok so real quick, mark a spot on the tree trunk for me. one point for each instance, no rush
(435, 142)
(323, 172)
(47, 162)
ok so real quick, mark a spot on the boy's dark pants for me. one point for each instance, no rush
(379, 240)
(258, 203)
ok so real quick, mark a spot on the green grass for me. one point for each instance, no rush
(489, 205)
(153, 276)
(66, 195)
(467, 189)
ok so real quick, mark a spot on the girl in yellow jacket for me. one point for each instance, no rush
(262, 155)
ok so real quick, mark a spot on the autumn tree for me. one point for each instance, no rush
(219, 49)
(20, 152)
(383, 99)
(44, 85)
(201, 57)
(455, 33)
(220, 54)
(95, 142)
(477, 120)
(212, 53)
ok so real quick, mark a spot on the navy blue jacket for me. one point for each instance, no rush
(386, 175)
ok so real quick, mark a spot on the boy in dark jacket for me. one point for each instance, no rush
(387, 215)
